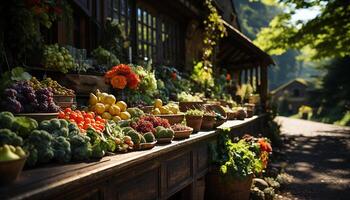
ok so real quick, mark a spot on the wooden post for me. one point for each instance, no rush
(263, 88)
(133, 31)
(251, 76)
(246, 76)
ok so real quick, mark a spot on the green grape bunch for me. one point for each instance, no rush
(58, 58)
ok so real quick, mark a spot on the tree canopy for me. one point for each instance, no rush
(328, 34)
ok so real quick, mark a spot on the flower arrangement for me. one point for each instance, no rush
(261, 147)
(122, 76)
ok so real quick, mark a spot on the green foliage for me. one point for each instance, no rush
(328, 33)
(104, 57)
(115, 39)
(236, 159)
(80, 147)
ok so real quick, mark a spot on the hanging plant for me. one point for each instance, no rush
(213, 31)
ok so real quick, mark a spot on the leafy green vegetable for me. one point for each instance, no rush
(24, 125)
(39, 146)
(80, 147)
(62, 149)
(9, 137)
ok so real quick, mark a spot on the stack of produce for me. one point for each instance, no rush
(105, 105)
(58, 58)
(159, 127)
(84, 120)
(9, 153)
(21, 97)
(170, 108)
(55, 87)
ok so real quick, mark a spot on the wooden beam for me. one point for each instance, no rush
(263, 88)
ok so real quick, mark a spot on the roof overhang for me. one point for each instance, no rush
(237, 51)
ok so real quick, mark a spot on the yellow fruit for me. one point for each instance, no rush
(109, 99)
(114, 110)
(116, 118)
(107, 106)
(106, 115)
(158, 103)
(99, 108)
(122, 105)
(93, 99)
(125, 115)
(156, 111)
(173, 109)
(163, 110)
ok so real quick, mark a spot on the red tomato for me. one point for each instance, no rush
(98, 118)
(87, 120)
(73, 115)
(71, 120)
(61, 115)
(89, 115)
(67, 110)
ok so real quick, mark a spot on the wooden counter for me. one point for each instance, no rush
(158, 173)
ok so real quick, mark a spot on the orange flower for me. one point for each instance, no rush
(264, 146)
(133, 80)
(118, 82)
(109, 74)
(228, 77)
(123, 69)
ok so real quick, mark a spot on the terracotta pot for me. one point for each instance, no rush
(182, 134)
(220, 122)
(208, 122)
(231, 115)
(233, 189)
(184, 106)
(194, 122)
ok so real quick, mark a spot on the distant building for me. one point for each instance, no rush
(290, 96)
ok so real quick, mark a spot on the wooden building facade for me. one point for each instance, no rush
(169, 33)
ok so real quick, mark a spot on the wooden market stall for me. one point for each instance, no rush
(167, 32)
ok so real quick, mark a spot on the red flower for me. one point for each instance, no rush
(228, 77)
(173, 75)
(123, 69)
(133, 80)
(118, 82)
(264, 145)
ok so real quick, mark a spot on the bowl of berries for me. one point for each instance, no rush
(181, 131)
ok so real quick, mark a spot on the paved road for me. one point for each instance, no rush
(318, 157)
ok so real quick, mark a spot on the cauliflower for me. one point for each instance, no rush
(9, 137)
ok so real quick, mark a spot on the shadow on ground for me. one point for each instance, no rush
(319, 164)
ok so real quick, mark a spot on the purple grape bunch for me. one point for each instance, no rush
(21, 97)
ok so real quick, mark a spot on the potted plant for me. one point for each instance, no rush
(235, 164)
(194, 119)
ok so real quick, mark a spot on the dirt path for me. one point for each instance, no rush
(318, 157)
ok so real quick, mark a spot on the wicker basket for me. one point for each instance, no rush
(194, 122)
(173, 118)
(208, 122)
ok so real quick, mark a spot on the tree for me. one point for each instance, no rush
(328, 34)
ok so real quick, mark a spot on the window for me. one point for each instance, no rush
(121, 13)
(158, 38)
(296, 93)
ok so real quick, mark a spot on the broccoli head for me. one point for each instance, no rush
(24, 126)
(62, 150)
(32, 158)
(9, 137)
(6, 120)
(98, 149)
(80, 147)
(42, 142)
